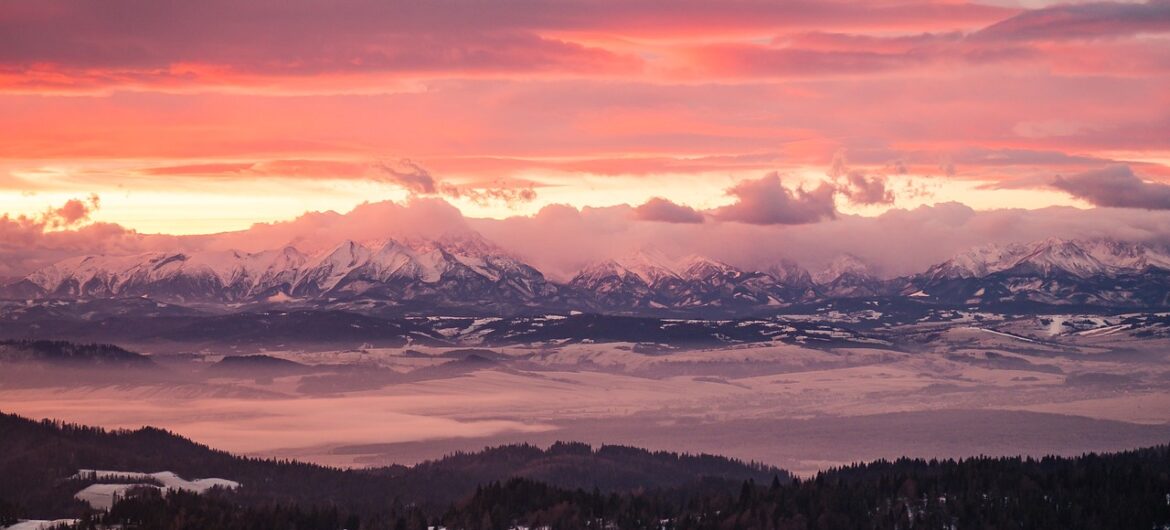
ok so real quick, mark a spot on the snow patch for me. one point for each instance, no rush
(40, 524)
(103, 496)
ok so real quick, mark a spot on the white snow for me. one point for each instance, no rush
(1078, 257)
(842, 265)
(253, 273)
(1103, 331)
(102, 496)
(1002, 334)
(38, 524)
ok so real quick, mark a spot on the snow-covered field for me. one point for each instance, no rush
(102, 496)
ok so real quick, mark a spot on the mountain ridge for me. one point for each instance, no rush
(459, 270)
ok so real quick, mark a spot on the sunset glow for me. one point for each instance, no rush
(210, 117)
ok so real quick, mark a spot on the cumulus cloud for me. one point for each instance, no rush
(561, 239)
(424, 217)
(862, 189)
(1115, 186)
(72, 213)
(766, 201)
(856, 186)
(28, 242)
(659, 209)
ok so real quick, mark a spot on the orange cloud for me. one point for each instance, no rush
(590, 102)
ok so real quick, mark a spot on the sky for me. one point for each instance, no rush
(126, 124)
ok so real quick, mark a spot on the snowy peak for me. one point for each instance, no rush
(1081, 258)
(791, 273)
(465, 270)
(183, 276)
(647, 267)
(703, 268)
(397, 261)
(1099, 272)
(649, 279)
(468, 244)
(329, 269)
(1054, 255)
(347, 254)
(1125, 255)
(467, 265)
(848, 276)
(845, 265)
(459, 263)
(978, 262)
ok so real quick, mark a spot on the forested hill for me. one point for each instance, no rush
(37, 457)
(63, 352)
(1122, 490)
(573, 486)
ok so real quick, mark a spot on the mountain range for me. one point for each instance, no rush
(1100, 272)
(465, 271)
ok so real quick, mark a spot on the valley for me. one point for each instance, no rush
(803, 392)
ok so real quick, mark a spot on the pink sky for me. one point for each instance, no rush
(188, 118)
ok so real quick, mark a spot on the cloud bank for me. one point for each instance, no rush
(1116, 186)
(548, 109)
(767, 222)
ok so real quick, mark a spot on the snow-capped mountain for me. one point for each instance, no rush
(1083, 258)
(650, 280)
(790, 273)
(1054, 271)
(848, 276)
(461, 268)
(220, 276)
(468, 273)
(720, 282)
(1127, 256)
(628, 282)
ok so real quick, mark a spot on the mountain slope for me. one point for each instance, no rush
(68, 353)
(648, 280)
(458, 269)
(1054, 272)
(464, 274)
(848, 276)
